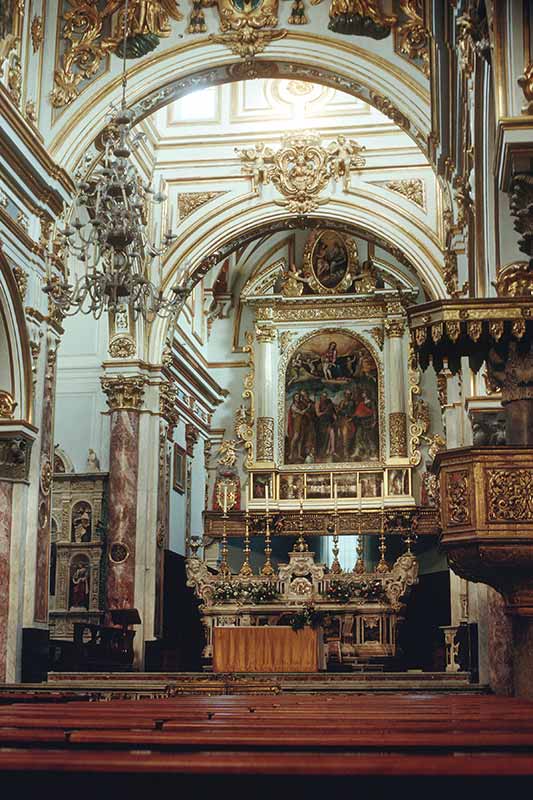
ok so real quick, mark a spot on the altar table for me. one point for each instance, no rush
(265, 649)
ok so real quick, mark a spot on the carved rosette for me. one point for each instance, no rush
(398, 434)
(265, 439)
(124, 392)
(122, 346)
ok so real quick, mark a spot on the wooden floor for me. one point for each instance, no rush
(425, 741)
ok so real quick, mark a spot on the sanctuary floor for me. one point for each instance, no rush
(408, 742)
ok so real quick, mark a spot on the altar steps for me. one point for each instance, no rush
(145, 684)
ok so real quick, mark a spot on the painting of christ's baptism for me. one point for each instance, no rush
(331, 402)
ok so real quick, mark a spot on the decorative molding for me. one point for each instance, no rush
(7, 405)
(398, 434)
(394, 328)
(510, 495)
(168, 396)
(457, 497)
(124, 392)
(122, 347)
(301, 168)
(265, 439)
(360, 18)
(86, 47)
(189, 202)
(411, 37)
(410, 188)
(37, 32)
(15, 452)
(191, 438)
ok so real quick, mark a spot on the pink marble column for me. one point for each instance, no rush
(45, 485)
(125, 396)
(500, 644)
(6, 504)
(123, 473)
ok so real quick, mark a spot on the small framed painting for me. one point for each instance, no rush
(179, 467)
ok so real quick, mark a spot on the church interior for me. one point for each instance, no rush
(266, 394)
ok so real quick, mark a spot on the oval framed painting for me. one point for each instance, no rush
(330, 262)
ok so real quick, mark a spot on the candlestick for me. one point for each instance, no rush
(359, 567)
(301, 545)
(225, 499)
(266, 497)
(224, 570)
(335, 497)
(267, 568)
(246, 570)
(382, 565)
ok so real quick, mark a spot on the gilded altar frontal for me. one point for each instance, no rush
(266, 396)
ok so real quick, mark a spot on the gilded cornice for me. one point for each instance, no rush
(13, 119)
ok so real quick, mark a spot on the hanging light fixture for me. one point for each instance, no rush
(107, 232)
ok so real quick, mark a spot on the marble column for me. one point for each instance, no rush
(42, 564)
(15, 451)
(500, 644)
(265, 394)
(6, 512)
(396, 360)
(124, 397)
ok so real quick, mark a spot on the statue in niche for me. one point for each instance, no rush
(81, 522)
(93, 463)
(79, 584)
(331, 401)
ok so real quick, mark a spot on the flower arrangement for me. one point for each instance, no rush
(245, 592)
(307, 616)
(344, 591)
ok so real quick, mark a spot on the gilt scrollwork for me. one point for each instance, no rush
(510, 495)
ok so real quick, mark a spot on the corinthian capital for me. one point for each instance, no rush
(124, 392)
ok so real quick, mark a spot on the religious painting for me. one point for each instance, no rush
(346, 484)
(318, 487)
(260, 482)
(178, 472)
(398, 481)
(82, 514)
(331, 401)
(291, 487)
(329, 262)
(371, 484)
(79, 584)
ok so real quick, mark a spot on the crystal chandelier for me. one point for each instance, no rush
(107, 233)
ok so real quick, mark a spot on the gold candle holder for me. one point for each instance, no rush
(301, 545)
(246, 570)
(267, 570)
(359, 567)
(335, 564)
(382, 565)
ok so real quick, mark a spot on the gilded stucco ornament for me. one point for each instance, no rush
(188, 202)
(7, 405)
(37, 32)
(122, 346)
(526, 84)
(124, 392)
(514, 280)
(86, 47)
(360, 18)
(411, 37)
(412, 189)
(302, 167)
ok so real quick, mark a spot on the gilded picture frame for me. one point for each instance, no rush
(330, 261)
(179, 469)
